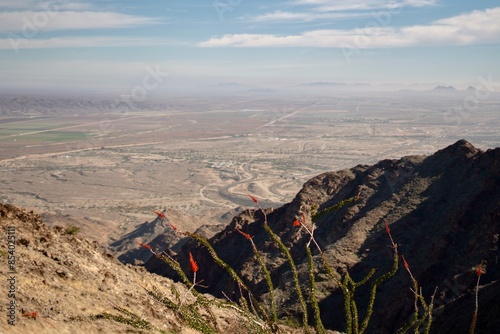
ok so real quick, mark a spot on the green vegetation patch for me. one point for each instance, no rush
(64, 135)
(72, 230)
(52, 136)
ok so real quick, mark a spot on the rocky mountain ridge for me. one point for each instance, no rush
(443, 211)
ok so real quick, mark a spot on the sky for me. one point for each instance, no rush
(112, 45)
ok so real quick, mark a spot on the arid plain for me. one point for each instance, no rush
(84, 161)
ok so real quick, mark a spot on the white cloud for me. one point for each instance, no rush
(419, 3)
(327, 9)
(344, 5)
(477, 27)
(63, 20)
(15, 42)
(303, 16)
(15, 4)
(44, 5)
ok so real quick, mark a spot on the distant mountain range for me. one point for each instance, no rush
(36, 105)
(335, 84)
(441, 90)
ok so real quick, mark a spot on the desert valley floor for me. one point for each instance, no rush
(82, 161)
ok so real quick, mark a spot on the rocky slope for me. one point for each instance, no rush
(159, 235)
(444, 214)
(75, 286)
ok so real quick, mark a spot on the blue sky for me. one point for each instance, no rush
(109, 44)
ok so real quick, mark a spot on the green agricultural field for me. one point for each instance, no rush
(40, 131)
(63, 136)
(18, 128)
(53, 136)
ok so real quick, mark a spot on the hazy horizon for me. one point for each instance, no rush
(90, 46)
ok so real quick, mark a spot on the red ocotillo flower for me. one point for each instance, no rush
(145, 245)
(161, 215)
(246, 235)
(172, 226)
(407, 266)
(33, 314)
(254, 199)
(387, 229)
(296, 222)
(192, 262)
(479, 270)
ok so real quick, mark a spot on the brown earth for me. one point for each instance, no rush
(76, 286)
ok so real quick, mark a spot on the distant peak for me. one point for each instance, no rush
(461, 147)
(445, 88)
(323, 83)
(462, 142)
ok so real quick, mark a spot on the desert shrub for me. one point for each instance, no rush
(72, 230)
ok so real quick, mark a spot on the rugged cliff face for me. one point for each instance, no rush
(62, 283)
(444, 214)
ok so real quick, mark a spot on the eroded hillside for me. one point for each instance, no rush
(66, 284)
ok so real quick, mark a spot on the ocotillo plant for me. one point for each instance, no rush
(293, 267)
(354, 324)
(349, 286)
(318, 324)
(266, 273)
(254, 306)
(479, 272)
(426, 318)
